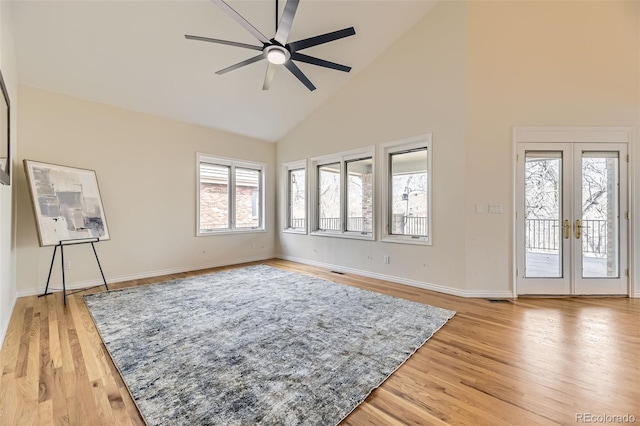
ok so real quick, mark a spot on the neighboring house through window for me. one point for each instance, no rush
(230, 195)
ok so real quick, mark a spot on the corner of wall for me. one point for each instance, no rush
(6, 318)
(8, 65)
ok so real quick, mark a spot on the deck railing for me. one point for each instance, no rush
(402, 225)
(356, 224)
(298, 223)
(542, 234)
(545, 234)
(329, 223)
(410, 225)
(595, 236)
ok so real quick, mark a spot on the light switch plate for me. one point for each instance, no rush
(495, 208)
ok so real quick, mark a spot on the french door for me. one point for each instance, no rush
(571, 219)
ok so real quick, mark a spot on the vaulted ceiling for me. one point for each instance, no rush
(133, 54)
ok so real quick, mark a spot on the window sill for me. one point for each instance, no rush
(295, 231)
(348, 235)
(230, 232)
(422, 241)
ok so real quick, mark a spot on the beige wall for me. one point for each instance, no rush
(7, 206)
(537, 64)
(469, 72)
(146, 168)
(417, 86)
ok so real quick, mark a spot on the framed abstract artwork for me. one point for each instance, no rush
(66, 203)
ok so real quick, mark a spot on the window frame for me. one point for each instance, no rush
(314, 199)
(287, 168)
(232, 164)
(396, 147)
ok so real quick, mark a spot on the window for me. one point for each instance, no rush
(295, 209)
(230, 195)
(360, 196)
(407, 195)
(343, 191)
(329, 197)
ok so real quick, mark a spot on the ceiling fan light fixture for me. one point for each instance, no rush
(277, 55)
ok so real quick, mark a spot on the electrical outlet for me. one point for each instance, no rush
(386, 259)
(253, 245)
(67, 265)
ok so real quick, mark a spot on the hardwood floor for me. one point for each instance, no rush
(524, 362)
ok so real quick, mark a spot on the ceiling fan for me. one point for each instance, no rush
(277, 51)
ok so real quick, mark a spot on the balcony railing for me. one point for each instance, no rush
(298, 223)
(329, 223)
(355, 224)
(410, 225)
(542, 234)
(545, 234)
(595, 236)
(402, 225)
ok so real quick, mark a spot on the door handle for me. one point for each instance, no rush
(567, 229)
(578, 229)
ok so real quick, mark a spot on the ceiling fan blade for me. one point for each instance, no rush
(319, 62)
(303, 78)
(284, 27)
(241, 64)
(320, 39)
(227, 42)
(268, 78)
(240, 20)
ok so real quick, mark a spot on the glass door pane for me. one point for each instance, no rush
(599, 226)
(542, 214)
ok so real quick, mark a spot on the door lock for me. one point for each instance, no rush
(578, 229)
(567, 229)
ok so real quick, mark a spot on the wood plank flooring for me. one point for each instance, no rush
(525, 362)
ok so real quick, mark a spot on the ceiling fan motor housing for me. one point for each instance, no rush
(276, 54)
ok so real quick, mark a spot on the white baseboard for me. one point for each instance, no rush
(148, 274)
(406, 281)
(4, 326)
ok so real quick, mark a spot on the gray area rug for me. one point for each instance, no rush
(257, 345)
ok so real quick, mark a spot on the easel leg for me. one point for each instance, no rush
(64, 287)
(99, 266)
(46, 289)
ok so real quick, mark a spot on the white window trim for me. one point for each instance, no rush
(312, 178)
(233, 163)
(286, 168)
(386, 149)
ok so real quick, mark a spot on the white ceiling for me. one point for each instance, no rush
(133, 54)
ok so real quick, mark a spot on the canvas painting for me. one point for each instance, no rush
(66, 203)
